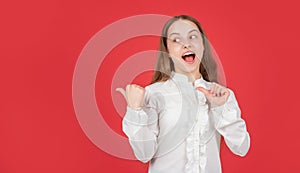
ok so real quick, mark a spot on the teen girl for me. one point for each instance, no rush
(176, 122)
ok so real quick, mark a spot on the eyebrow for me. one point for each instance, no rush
(193, 30)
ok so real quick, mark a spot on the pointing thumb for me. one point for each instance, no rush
(205, 91)
(122, 91)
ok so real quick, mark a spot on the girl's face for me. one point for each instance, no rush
(185, 46)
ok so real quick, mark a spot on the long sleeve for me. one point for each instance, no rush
(141, 127)
(231, 126)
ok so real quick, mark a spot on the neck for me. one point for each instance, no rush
(192, 76)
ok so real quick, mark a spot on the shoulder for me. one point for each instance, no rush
(154, 96)
(160, 90)
(159, 87)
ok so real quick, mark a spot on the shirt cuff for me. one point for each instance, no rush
(136, 116)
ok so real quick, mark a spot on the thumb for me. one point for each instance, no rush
(205, 91)
(122, 91)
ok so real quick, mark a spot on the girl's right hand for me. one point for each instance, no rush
(134, 95)
(217, 95)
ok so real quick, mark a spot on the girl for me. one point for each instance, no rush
(176, 122)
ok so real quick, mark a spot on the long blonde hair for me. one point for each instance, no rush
(164, 65)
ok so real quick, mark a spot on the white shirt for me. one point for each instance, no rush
(178, 132)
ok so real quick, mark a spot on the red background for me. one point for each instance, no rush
(257, 42)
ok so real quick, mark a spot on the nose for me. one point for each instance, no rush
(186, 44)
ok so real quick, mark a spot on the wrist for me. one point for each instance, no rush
(137, 108)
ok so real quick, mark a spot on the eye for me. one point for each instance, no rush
(193, 36)
(177, 40)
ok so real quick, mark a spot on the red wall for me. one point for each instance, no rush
(257, 41)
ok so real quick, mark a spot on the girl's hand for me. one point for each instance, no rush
(134, 95)
(217, 95)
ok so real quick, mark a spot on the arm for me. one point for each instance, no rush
(141, 127)
(231, 126)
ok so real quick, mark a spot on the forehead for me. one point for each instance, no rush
(182, 26)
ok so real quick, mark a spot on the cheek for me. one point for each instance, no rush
(199, 48)
(197, 44)
(174, 49)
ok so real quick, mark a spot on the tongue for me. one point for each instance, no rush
(189, 58)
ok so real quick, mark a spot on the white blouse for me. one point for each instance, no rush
(177, 131)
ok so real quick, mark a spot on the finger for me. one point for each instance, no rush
(227, 92)
(135, 85)
(223, 91)
(213, 88)
(218, 90)
(205, 91)
(122, 91)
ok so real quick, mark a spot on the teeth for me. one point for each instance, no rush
(188, 53)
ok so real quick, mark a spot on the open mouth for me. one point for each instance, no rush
(189, 57)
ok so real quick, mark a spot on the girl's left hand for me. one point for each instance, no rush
(217, 95)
